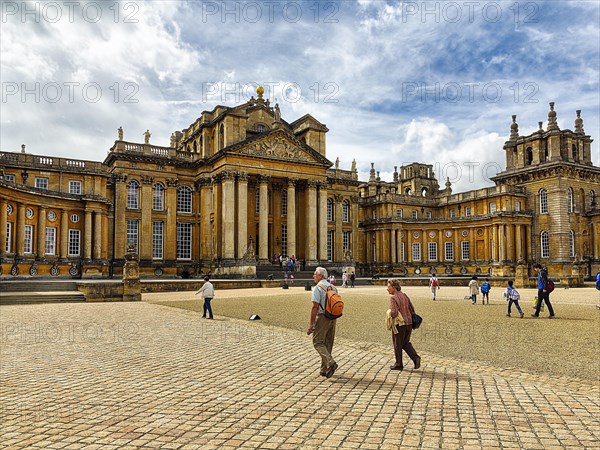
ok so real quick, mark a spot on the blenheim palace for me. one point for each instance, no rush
(241, 184)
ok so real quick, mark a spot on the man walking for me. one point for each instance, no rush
(543, 294)
(208, 292)
(322, 328)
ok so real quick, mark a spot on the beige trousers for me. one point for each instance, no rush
(323, 336)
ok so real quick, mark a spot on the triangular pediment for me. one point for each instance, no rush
(279, 145)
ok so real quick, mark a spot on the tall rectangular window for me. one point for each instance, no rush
(28, 239)
(399, 213)
(8, 237)
(433, 251)
(346, 211)
(330, 245)
(452, 213)
(346, 239)
(402, 257)
(517, 206)
(75, 187)
(74, 242)
(132, 234)
(428, 214)
(284, 239)
(415, 214)
(158, 197)
(184, 240)
(157, 239)
(492, 208)
(449, 251)
(545, 244)
(41, 183)
(467, 211)
(257, 201)
(50, 241)
(416, 251)
(464, 245)
(284, 203)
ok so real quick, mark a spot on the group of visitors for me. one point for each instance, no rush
(288, 264)
(511, 294)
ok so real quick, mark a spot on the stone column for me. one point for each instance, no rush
(291, 217)
(356, 236)
(338, 250)
(393, 259)
(3, 222)
(510, 242)
(322, 229)
(486, 238)
(20, 230)
(495, 246)
(206, 250)
(263, 219)
(64, 234)
(501, 244)
(145, 227)
(311, 235)
(519, 241)
(98, 235)
(228, 215)
(87, 234)
(170, 228)
(120, 224)
(41, 232)
(242, 211)
(473, 244)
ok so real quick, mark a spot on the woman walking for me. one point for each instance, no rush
(401, 310)
(473, 289)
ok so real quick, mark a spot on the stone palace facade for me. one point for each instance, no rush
(241, 184)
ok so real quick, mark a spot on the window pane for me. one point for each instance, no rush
(73, 242)
(50, 241)
(184, 240)
(157, 240)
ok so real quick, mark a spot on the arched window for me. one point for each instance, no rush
(221, 137)
(184, 199)
(543, 201)
(329, 210)
(346, 211)
(570, 200)
(407, 191)
(424, 192)
(261, 128)
(133, 195)
(544, 245)
(529, 156)
(284, 203)
(158, 202)
(575, 153)
(571, 244)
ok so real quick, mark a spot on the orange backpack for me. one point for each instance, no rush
(334, 305)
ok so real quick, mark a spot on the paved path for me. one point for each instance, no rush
(139, 375)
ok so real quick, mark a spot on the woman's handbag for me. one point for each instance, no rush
(416, 321)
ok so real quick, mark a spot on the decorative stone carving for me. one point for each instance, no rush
(146, 179)
(119, 177)
(278, 147)
(172, 182)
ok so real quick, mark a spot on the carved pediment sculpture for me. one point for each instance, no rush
(278, 147)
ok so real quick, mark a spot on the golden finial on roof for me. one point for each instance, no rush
(260, 91)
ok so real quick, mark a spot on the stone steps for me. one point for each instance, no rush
(26, 298)
(37, 286)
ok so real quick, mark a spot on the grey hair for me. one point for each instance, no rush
(395, 283)
(321, 271)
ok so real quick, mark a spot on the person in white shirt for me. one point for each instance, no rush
(208, 292)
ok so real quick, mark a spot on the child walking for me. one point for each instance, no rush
(513, 296)
(485, 291)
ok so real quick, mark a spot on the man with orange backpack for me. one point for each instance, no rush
(327, 307)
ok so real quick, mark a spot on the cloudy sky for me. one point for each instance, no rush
(395, 82)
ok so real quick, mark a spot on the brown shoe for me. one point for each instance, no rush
(417, 362)
(331, 370)
(395, 367)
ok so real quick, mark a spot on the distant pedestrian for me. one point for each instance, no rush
(513, 297)
(332, 279)
(473, 289)
(434, 285)
(352, 278)
(208, 293)
(401, 310)
(543, 294)
(485, 291)
(345, 279)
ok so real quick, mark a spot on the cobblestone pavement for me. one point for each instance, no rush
(139, 375)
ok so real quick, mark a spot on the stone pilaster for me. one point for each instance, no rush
(170, 228)
(311, 235)
(338, 248)
(41, 232)
(291, 217)
(501, 244)
(263, 220)
(145, 230)
(242, 212)
(206, 251)
(3, 222)
(98, 235)
(519, 243)
(393, 259)
(228, 215)
(120, 224)
(20, 230)
(64, 234)
(87, 235)
(322, 229)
